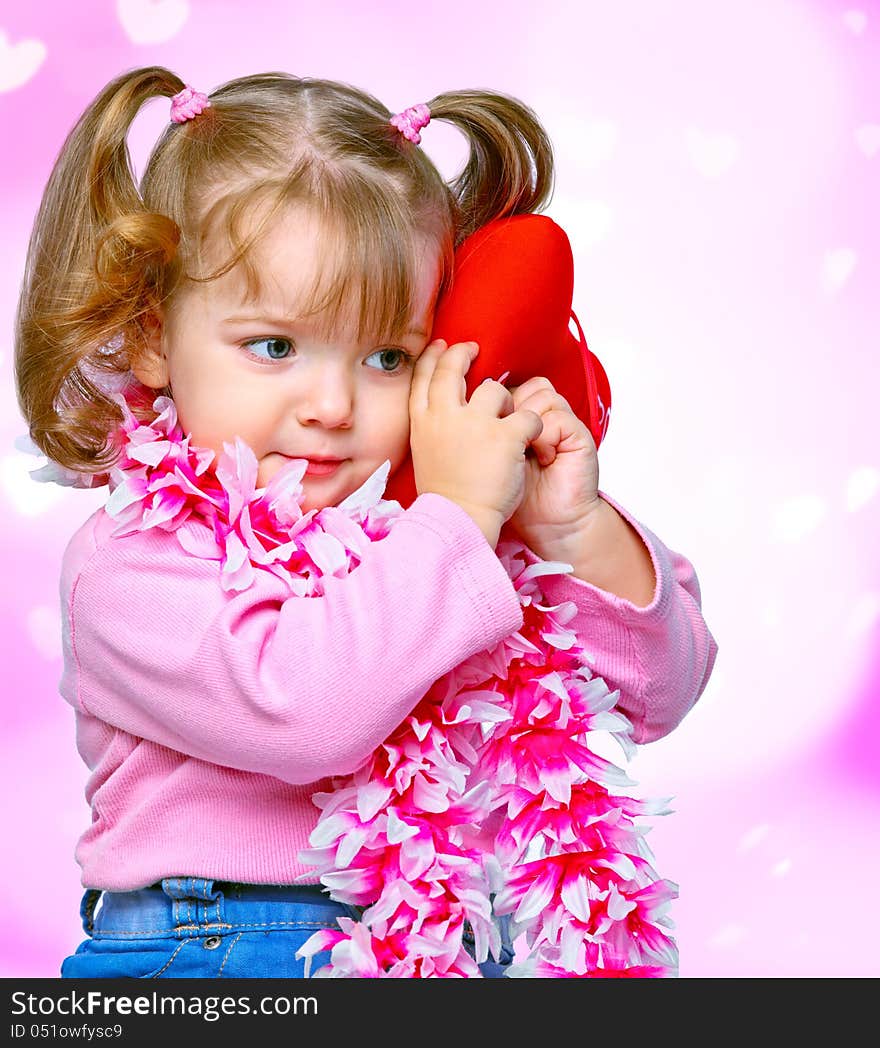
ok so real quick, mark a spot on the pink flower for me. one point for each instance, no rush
(489, 787)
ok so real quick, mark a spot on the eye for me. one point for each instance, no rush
(405, 359)
(276, 349)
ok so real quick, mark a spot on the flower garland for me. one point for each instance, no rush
(487, 800)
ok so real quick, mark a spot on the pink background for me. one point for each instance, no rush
(718, 168)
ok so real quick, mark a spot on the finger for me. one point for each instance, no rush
(530, 386)
(544, 398)
(422, 372)
(527, 425)
(492, 398)
(550, 437)
(446, 384)
(559, 425)
(557, 418)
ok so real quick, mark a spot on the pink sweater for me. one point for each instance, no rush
(208, 718)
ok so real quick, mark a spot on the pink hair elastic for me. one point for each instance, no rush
(411, 120)
(188, 103)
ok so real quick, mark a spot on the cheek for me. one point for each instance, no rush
(401, 416)
(211, 408)
(391, 424)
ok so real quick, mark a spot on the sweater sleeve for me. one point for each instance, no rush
(295, 687)
(660, 656)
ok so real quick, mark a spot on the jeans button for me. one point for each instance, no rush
(212, 942)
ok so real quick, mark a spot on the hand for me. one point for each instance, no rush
(472, 452)
(562, 476)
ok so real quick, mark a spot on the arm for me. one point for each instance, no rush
(259, 680)
(646, 634)
(612, 556)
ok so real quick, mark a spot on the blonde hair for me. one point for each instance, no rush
(104, 252)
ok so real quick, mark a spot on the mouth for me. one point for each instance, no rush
(323, 467)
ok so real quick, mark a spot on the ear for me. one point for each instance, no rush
(148, 362)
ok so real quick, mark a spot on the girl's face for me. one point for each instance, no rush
(261, 373)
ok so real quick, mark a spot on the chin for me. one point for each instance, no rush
(320, 492)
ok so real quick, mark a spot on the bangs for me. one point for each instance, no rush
(376, 248)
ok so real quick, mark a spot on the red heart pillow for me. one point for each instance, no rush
(511, 292)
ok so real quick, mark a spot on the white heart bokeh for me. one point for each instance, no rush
(864, 614)
(713, 154)
(837, 267)
(44, 628)
(861, 486)
(868, 139)
(798, 516)
(28, 497)
(151, 21)
(588, 220)
(855, 20)
(19, 62)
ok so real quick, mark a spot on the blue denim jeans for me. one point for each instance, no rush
(191, 927)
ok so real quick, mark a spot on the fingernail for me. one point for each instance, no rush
(501, 378)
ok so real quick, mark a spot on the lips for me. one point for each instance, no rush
(322, 467)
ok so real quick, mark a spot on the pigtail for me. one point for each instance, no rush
(96, 259)
(510, 167)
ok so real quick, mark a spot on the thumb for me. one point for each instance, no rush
(530, 425)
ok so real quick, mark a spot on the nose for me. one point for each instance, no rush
(326, 397)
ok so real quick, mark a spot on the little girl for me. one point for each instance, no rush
(241, 344)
